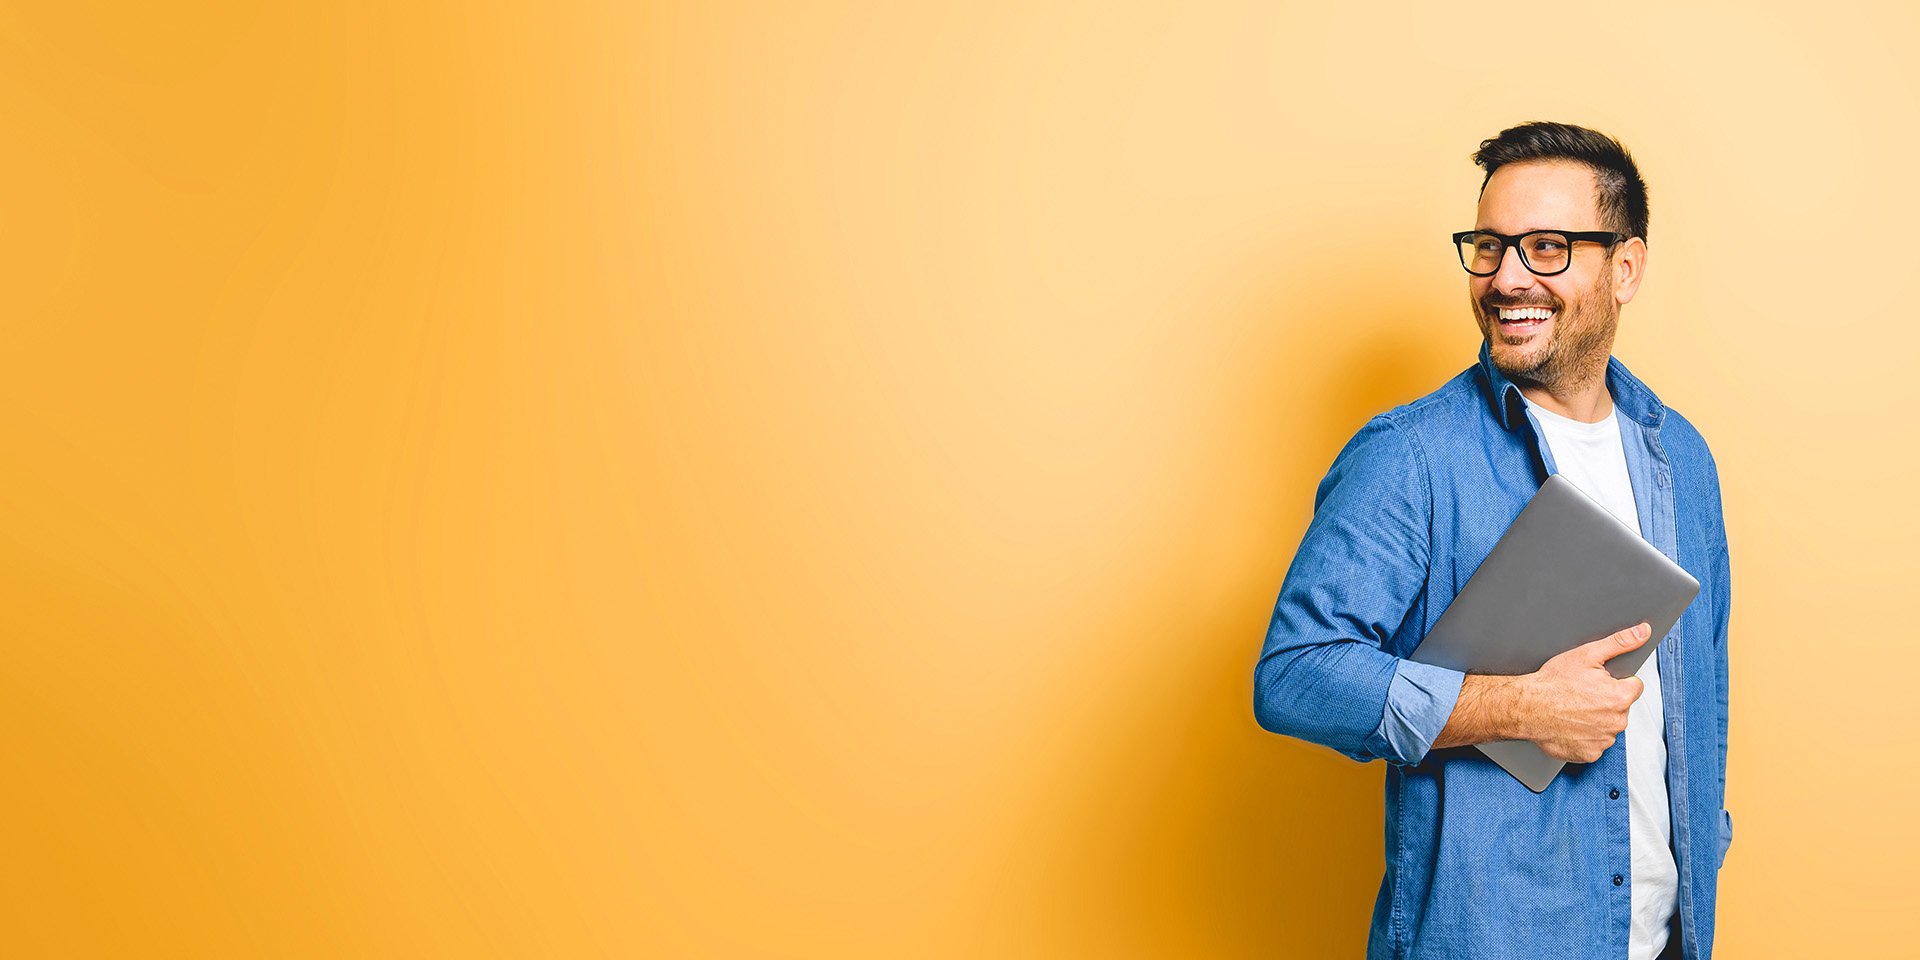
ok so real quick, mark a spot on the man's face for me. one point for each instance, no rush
(1572, 343)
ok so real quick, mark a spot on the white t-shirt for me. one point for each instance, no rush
(1592, 456)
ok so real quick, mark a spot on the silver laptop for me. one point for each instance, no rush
(1567, 572)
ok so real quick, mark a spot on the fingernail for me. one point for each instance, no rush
(1642, 630)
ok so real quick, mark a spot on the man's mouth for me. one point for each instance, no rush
(1523, 319)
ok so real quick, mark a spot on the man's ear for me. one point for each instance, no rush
(1629, 265)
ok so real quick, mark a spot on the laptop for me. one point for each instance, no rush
(1566, 572)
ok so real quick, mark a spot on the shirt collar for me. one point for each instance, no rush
(1632, 397)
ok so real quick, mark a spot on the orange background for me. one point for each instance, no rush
(714, 480)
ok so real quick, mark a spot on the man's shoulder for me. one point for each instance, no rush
(1393, 446)
(1448, 409)
(1684, 440)
(1685, 446)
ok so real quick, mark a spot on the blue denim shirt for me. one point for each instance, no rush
(1477, 864)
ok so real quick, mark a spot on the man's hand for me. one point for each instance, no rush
(1573, 708)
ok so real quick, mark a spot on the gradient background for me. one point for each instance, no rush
(708, 480)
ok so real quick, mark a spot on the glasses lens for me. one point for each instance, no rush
(1480, 253)
(1546, 252)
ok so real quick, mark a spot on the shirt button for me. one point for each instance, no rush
(1617, 881)
(1613, 794)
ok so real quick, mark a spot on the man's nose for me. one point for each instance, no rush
(1512, 275)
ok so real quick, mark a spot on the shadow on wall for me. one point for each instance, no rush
(1194, 832)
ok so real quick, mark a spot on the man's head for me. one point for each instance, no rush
(1554, 176)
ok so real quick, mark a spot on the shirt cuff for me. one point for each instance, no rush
(1419, 702)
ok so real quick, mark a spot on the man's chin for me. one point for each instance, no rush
(1516, 364)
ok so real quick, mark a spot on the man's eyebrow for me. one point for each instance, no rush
(1529, 230)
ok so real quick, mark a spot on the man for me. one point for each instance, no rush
(1620, 856)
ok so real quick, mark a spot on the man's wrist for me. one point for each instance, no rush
(1490, 707)
(1513, 698)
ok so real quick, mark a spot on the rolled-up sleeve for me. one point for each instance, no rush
(1419, 701)
(1324, 675)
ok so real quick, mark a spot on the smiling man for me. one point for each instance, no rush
(1620, 856)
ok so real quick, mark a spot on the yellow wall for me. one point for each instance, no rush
(811, 479)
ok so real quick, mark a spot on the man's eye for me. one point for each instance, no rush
(1548, 246)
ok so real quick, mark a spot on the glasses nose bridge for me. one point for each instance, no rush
(1522, 269)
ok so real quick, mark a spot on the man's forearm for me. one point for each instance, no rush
(1489, 708)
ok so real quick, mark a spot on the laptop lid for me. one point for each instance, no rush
(1566, 572)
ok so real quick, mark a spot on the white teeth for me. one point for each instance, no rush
(1525, 313)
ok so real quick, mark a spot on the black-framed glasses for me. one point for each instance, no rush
(1545, 252)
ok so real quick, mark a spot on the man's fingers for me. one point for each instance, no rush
(1613, 645)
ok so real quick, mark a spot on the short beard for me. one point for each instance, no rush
(1576, 360)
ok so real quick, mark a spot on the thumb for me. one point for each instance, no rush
(1613, 645)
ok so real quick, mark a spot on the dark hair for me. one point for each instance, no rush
(1622, 194)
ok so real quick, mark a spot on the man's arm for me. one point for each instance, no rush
(1489, 709)
(1722, 611)
(1723, 608)
(1572, 706)
(1323, 675)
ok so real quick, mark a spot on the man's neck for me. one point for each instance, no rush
(1587, 400)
